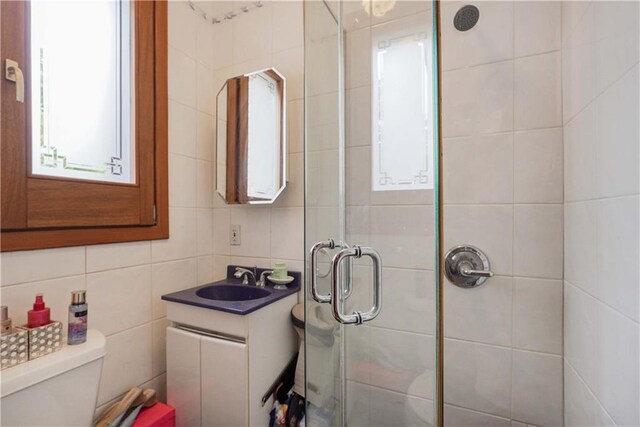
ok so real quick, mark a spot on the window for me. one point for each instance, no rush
(402, 140)
(84, 151)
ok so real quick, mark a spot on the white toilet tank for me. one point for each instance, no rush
(60, 389)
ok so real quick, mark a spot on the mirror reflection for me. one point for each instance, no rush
(250, 138)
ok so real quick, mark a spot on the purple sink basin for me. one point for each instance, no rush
(231, 296)
(232, 293)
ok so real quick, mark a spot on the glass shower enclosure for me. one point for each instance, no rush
(371, 213)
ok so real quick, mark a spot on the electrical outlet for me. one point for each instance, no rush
(235, 235)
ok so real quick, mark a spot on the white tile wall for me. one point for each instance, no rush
(503, 171)
(265, 37)
(601, 174)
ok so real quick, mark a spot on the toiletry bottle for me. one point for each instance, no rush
(78, 313)
(40, 315)
(5, 321)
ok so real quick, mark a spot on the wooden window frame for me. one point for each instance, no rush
(100, 212)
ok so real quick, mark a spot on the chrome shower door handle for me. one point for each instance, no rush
(356, 317)
(313, 276)
(13, 73)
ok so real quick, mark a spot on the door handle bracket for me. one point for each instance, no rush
(13, 73)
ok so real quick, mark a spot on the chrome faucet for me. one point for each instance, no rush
(245, 275)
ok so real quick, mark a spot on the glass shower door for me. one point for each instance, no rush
(370, 152)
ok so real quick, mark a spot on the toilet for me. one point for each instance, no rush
(60, 389)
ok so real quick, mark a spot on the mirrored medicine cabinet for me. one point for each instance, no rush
(251, 138)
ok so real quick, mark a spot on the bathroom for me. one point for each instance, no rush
(496, 279)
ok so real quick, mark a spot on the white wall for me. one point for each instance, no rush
(124, 282)
(602, 212)
(502, 137)
(264, 37)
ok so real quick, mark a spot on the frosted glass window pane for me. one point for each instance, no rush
(81, 90)
(402, 125)
(264, 136)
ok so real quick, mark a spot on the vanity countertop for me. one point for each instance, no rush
(227, 289)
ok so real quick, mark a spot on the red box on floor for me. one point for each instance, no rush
(159, 415)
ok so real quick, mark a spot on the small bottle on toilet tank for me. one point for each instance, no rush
(78, 313)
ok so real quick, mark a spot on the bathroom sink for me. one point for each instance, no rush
(232, 292)
(231, 296)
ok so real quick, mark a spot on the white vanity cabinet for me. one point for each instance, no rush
(219, 365)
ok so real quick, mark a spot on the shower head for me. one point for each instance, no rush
(466, 18)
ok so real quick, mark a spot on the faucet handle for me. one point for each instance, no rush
(262, 282)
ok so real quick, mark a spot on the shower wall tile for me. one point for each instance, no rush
(478, 100)
(489, 227)
(503, 192)
(404, 235)
(482, 314)
(478, 377)
(409, 301)
(538, 95)
(537, 27)
(390, 409)
(537, 241)
(395, 368)
(537, 388)
(538, 166)
(537, 315)
(491, 40)
(601, 99)
(461, 417)
(479, 169)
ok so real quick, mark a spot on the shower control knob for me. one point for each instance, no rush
(467, 266)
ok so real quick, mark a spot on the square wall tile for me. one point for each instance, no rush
(182, 237)
(29, 266)
(118, 255)
(288, 23)
(404, 235)
(127, 362)
(255, 231)
(490, 40)
(489, 228)
(182, 78)
(581, 407)
(409, 300)
(537, 315)
(398, 409)
(478, 377)
(538, 166)
(159, 346)
(479, 169)
(538, 243)
(221, 231)
(581, 163)
(205, 231)
(204, 184)
(461, 417)
(182, 129)
(479, 100)
(618, 252)
(252, 34)
(395, 368)
(182, 181)
(206, 272)
(481, 314)
(538, 94)
(618, 353)
(617, 112)
(537, 388)
(580, 247)
(182, 27)
(287, 233)
(168, 277)
(120, 299)
(537, 27)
